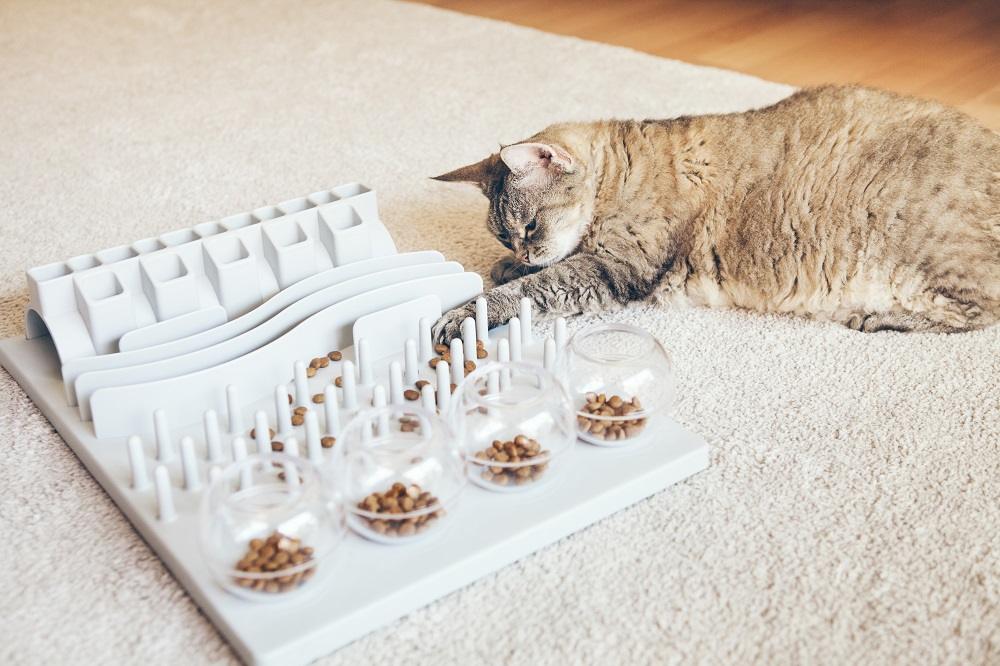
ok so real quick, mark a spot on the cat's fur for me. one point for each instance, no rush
(843, 203)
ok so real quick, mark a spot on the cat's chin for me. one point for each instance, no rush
(536, 263)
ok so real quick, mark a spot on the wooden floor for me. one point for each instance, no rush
(943, 49)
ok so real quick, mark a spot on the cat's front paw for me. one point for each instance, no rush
(506, 269)
(449, 326)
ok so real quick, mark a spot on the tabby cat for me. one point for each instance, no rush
(842, 203)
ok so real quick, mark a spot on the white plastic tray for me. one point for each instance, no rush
(372, 584)
(222, 317)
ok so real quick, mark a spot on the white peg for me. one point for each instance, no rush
(239, 448)
(410, 357)
(189, 464)
(137, 463)
(291, 446)
(493, 385)
(214, 472)
(426, 345)
(282, 413)
(349, 386)
(443, 387)
(313, 445)
(514, 338)
(396, 383)
(262, 432)
(363, 352)
(526, 333)
(213, 438)
(503, 355)
(549, 357)
(378, 402)
(457, 368)
(482, 320)
(469, 338)
(164, 495)
(561, 334)
(164, 447)
(427, 398)
(378, 396)
(503, 350)
(233, 408)
(301, 383)
(239, 455)
(331, 411)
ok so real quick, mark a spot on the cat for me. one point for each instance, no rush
(842, 203)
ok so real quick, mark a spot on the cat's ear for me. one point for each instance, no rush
(536, 163)
(481, 173)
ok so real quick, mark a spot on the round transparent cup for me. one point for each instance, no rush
(618, 377)
(269, 527)
(402, 473)
(514, 422)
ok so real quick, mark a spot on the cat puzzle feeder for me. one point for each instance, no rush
(155, 360)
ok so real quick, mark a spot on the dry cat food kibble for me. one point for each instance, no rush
(278, 446)
(409, 424)
(397, 500)
(339, 382)
(441, 349)
(532, 458)
(411, 394)
(319, 398)
(300, 410)
(335, 356)
(298, 419)
(277, 553)
(327, 442)
(319, 362)
(310, 372)
(611, 426)
(253, 433)
(421, 383)
(469, 366)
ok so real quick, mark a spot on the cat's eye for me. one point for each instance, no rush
(532, 225)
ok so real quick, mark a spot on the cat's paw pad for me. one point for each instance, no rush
(449, 326)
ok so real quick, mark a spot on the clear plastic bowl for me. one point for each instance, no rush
(618, 377)
(514, 422)
(402, 473)
(269, 527)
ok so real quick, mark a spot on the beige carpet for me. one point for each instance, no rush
(852, 508)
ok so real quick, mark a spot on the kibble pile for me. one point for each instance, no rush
(444, 354)
(273, 555)
(610, 425)
(525, 460)
(400, 500)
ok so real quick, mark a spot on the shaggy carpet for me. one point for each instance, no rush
(850, 513)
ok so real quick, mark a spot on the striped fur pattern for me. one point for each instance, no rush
(841, 203)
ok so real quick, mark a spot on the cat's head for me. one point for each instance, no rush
(539, 204)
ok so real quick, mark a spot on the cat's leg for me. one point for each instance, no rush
(580, 283)
(508, 268)
(940, 310)
(904, 322)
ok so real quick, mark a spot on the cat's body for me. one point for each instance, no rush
(841, 203)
